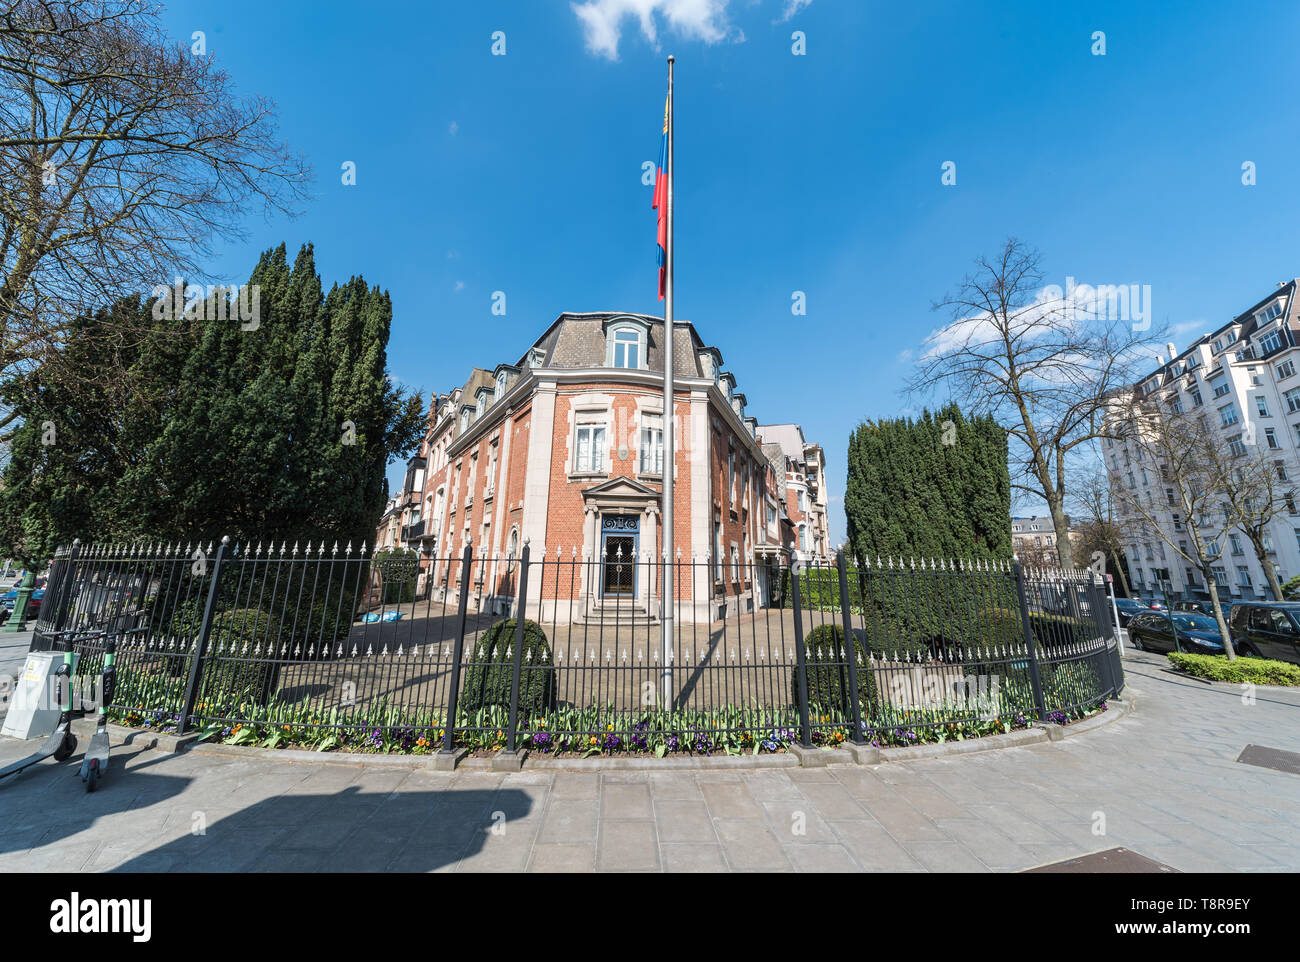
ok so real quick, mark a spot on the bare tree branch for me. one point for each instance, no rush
(123, 160)
(1040, 363)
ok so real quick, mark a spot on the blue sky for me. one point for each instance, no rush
(818, 173)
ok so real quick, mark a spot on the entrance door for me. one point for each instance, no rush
(620, 565)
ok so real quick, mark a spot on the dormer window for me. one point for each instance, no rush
(480, 405)
(625, 344)
(501, 385)
(626, 351)
(464, 421)
(1268, 313)
(536, 357)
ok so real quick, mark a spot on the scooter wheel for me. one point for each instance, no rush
(66, 748)
(92, 777)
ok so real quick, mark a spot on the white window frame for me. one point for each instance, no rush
(593, 463)
(616, 337)
(651, 455)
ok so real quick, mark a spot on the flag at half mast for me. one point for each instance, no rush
(661, 204)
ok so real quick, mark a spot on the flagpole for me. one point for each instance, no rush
(670, 462)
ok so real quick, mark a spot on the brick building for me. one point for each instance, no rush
(563, 450)
(803, 474)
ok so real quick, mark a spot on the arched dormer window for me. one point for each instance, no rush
(501, 385)
(625, 343)
(464, 421)
(482, 402)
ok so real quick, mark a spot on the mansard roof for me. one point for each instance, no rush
(576, 341)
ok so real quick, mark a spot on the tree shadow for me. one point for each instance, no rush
(350, 830)
(47, 803)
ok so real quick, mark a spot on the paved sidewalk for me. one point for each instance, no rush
(1164, 779)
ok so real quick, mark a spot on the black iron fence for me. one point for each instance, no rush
(328, 647)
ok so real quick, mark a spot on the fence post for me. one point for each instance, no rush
(1114, 655)
(201, 646)
(511, 739)
(852, 649)
(801, 667)
(1101, 619)
(63, 587)
(449, 733)
(1028, 629)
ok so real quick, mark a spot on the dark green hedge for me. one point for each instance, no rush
(819, 589)
(828, 675)
(926, 613)
(489, 675)
(1053, 630)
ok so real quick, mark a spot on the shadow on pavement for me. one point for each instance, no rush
(347, 831)
(48, 802)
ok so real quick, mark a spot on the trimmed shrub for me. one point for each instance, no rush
(235, 676)
(398, 568)
(998, 627)
(1061, 629)
(1255, 671)
(491, 669)
(828, 676)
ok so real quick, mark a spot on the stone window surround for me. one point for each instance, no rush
(648, 406)
(590, 408)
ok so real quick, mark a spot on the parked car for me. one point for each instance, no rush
(1197, 634)
(1270, 629)
(1127, 608)
(10, 598)
(1203, 607)
(1155, 604)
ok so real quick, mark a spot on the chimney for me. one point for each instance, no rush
(1172, 351)
(1160, 360)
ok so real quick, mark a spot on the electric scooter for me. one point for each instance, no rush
(61, 743)
(95, 760)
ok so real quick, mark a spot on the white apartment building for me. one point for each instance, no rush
(806, 497)
(1245, 378)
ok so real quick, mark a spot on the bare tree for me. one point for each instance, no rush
(1038, 360)
(123, 157)
(1193, 464)
(1099, 523)
(1255, 489)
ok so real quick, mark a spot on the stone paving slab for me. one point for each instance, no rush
(1162, 782)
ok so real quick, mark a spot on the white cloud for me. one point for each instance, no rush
(452, 128)
(460, 286)
(602, 21)
(792, 7)
(1195, 327)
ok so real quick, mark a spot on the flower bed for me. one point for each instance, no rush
(657, 733)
